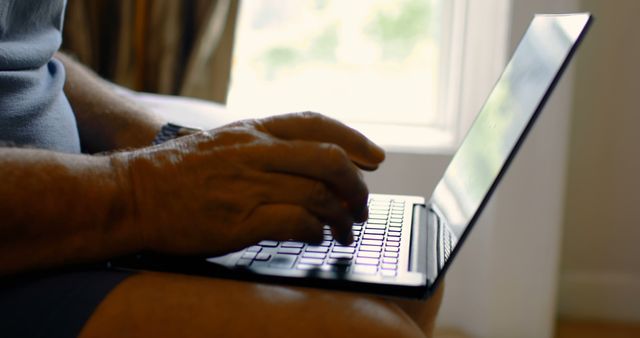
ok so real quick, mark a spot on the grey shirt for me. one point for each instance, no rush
(33, 108)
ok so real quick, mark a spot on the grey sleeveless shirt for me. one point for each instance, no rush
(33, 108)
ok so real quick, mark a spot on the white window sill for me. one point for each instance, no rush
(405, 139)
(396, 139)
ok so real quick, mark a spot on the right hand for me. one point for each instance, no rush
(277, 178)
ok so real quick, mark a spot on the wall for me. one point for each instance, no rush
(503, 283)
(600, 275)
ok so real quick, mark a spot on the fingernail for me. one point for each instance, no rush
(377, 151)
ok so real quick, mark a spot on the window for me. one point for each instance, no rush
(390, 68)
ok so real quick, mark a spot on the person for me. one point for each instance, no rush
(82, 184)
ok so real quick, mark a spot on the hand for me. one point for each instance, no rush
(277, 178)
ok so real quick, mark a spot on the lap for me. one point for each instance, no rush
(53, 304)
(160, 304)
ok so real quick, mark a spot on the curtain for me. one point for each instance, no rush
(158, 46)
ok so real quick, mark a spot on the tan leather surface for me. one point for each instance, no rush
(169, 305)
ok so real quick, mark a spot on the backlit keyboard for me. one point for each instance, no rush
(375, 250)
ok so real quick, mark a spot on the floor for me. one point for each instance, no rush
(590, 329)
(573, 329)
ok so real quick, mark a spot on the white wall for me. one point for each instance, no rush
(503, 284)
(600, 275)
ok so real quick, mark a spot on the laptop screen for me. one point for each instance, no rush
(505, 118)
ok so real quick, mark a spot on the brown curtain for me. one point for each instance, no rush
(159, 46)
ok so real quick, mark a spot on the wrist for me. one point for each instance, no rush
(131, 230)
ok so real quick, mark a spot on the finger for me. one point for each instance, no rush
(313, 195)
(283, 222)
(319, 161)
(319, 128)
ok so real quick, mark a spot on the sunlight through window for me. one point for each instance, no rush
(360, 61)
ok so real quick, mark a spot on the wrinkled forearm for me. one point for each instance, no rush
(59, 209)
(106, 120)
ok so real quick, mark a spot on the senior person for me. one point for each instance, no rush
(81, 183)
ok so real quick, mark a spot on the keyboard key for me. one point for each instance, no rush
(389, 273)
(338, 255)
(249, 255)
(376, 226)
(369, 254)
(344, 249)
(365, 269)
(395, 220)
(391, 254)
(338, 261)
(292, 245)
(314, 255)
(317, 249)
(376, 221)
(393, 234)
(375, 231)
(356, 227)
(379, 202)
(352, 245)
(289, 251)
(389, 266)
(370, 248)
(328, 238)
(306, 266)
(389, 260)
(255, 248)
(326, 243)
(374, 237)
(311, 261)
(393, 244)
(243, 262)
(377, 217)
(371, 242)
(268, 244)
(397, 225)
(393, 239)
(367, 261)
(391, 249)
(379, 212)
(282, 261)
(334, 267)
(263, 256)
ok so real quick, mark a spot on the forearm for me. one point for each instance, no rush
(106, 120)
(60, 209)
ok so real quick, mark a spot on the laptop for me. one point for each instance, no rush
(409, 242)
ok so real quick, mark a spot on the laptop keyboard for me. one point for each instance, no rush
(375, 250)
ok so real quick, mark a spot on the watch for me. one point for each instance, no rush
(170, 131)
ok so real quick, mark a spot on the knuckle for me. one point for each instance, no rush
(299, 216)
(318, 192)
(336, 157)
(311, 116)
